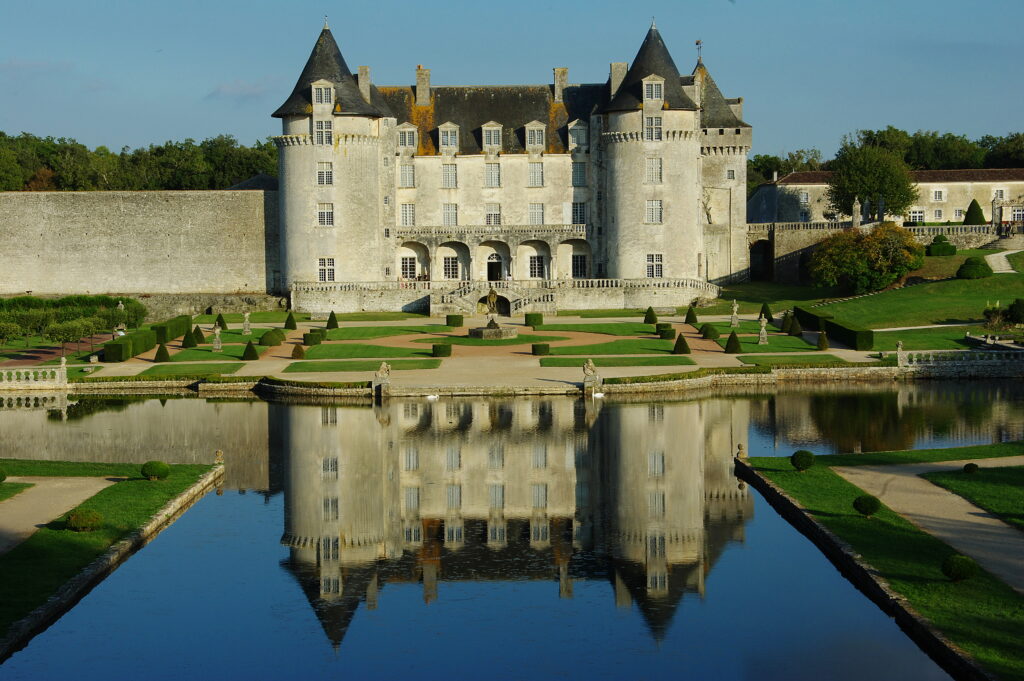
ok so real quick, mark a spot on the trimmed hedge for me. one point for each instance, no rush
(822, 340)
(959, 567)
(732, 346)
(974, 268)
(220, 322)
(454, 320)
(155, 470)
(534, 319)
(709, 332)
(650, 317)
(129, 345)
(290, 322)
(441, 350)
(298, 352)
(940, 246)
(699, 373)
(311, 339)
(681, 347)
(801, 459)
(197, 333)
(250, 353)
(975, 216)
(787, 321)
(766, 312)
(867, 505)
(850, 335)
(332, 321)
(84, 520)
(162, 355)
(667, 334)
(541, 348)
(691, 316)
(188, 340)
(270, 380)
(272, 337)
(175, 327)
(809, 319)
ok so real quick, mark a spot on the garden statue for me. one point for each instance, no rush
(762, 335)
(383, 373)
(218, 456)
(120, 305)
(246, 328)
(589, 369)
(217, 345)
(492, 302)
(734, 321)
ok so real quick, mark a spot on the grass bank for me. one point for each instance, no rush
(521, 339)
(32, 571)
(941, 266)
(642, 346)
(670, 360)
(201, 354)
(609, 328)
(791, 360)
(999, 491)
(370, 332)
(361, 350)
(356, 365)
(940, 338)
(776, 343)
(983, 616)
(9, 489)
(177, 370)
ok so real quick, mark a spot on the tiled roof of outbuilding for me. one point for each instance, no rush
(652, 58)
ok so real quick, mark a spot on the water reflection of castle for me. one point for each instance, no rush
(640, 495)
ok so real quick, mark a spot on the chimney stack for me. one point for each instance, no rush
(364, 82)
(422, 86)
(617, 75)
(561, 80)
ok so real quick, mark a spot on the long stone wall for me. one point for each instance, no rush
(221, 242)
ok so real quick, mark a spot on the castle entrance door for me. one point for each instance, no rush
(494, 267)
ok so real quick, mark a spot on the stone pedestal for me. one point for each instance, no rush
(491, 333)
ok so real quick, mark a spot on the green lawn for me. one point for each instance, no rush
(791, 360)
(671, 360)
(607, 312)
(466, 340)
(9, 489)
(32, 571)
(360, 350)
(947, 338)
(746, 326)
(749, 295)
(267, 317)
(397, 365)
(31, 347)
(956, 300)
(204, 354)
(642, 346)
(235, 336)
(939, 266)
(611, 328)
(1017, 261)
(982, 615)
(370, 332)
(79, 372)
(776, 343)
(999, 491)
(170, 370)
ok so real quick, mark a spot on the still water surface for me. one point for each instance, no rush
(507, 539)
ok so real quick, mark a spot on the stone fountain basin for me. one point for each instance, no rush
(490, 333)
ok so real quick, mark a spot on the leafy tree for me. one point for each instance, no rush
(974, 216)
(8, 330)
(10, 172)
(872, 174)
(891, 139)
(931, 151)
(862, 262)
(62, 333)
(1004, 152)
(762, 167)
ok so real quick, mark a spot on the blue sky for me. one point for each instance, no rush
(119, 73)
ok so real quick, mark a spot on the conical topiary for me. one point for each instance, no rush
(298, 352)
(795, 329)
(787, 321)
(162, 355)
(708, 331)
(289, 323)
(822, 341)
(766, 312)
(197, 333)
(250, 353)
(188, 340)
(691, 316)
(732, 346)
(221, 323)
(650, 317)
(332, 321)
(681, 347)
(974, 216)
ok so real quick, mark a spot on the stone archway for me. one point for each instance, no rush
(503, 306)
(453, 261)
(492, 261)
(761, 260)
(573, 260)
(413, 261)
(533, 260)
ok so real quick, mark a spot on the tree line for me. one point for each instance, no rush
(32, 163)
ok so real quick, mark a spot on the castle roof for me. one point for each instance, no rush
(715, 111)
(653, 58)
(326, 63)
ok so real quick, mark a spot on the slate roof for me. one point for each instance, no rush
(715, 111)
(513, 106)
(965, 175)
(326, 63)
(652, 58)
(262, 182)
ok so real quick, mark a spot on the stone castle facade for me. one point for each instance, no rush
(624, 193)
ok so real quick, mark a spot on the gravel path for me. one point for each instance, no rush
(48, 499)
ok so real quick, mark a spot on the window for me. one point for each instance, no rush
(579, 266)
(329, 550)
(579, 213)
(654, 213)
(329, 468)
(652, 128)
(959, 213)
(492, 175)
(652, 91)
(496, 457)
(452, 533)
(540, 455)
(492, 137)
(496, 533)
(412, 498)
(496, 493)
(453, 494)
(578, 136)
(324, 132)
(999, 194)
(656, 464)
(653, 171)
(330, 508)
(657, 581)
(915, 216)
(323, 95)
(407, 138)
(407, 175)
(410, 410)
(656, 504)
(654, 265)
(938, 195)
(449, 214)
(805, 198)
(492, 214)
(1018, 214)
(536, 175)
(536, 213)
(537, 266)
(329, 416)
(656, 546)
(655, 413)
(330, 585)
(449, 176)
(407, 214)
(938, 213)
(413, 533)
(451, 267)
(326, 266)
(579, 174)
(408, 267)
(449, 139)
(539, 531)
(452, 459)
(325, 173)
(325, 214)
(730, 174)
(539, 492)
(535, 137)
(411, 462)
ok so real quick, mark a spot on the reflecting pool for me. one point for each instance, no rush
(507, 539)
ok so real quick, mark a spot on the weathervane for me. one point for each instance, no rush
(325, 22)
(700, 45)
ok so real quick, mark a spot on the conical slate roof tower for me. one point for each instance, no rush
(652, 58)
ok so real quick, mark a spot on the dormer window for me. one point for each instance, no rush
(323, 95)
(448, 136)
(578, 136)
(407, 137)
(652, 91)
(492, 136)
(535, 135)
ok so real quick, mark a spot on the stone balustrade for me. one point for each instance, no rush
(457, 287)
(469, 232)
(920, 358)
(950, 230)
(33, 378)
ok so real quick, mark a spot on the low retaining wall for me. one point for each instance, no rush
(867, 580)
(77, 587)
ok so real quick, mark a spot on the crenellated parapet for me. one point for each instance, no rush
(638, 136)
(340, 140)
(738, 150)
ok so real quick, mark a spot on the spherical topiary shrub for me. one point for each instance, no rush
(710, 332)
(667, 334)
(534, 319)
(732, 346)
(541, 348)
(332, 320)
(272, 337)
(959, 567)
(162, 355)
(298, 352)
(681, 347)
(290, 323)
(441, 350)
(84, 520)
(970, 468)
(250, 354)
(766, 312)
(650, 317)
(802, 459)
(974, 268)
(691, 316)
(155, 470)
(867, 505)
(454, 320)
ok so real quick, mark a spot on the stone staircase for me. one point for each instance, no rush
(1008, 243)
(465, 298)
